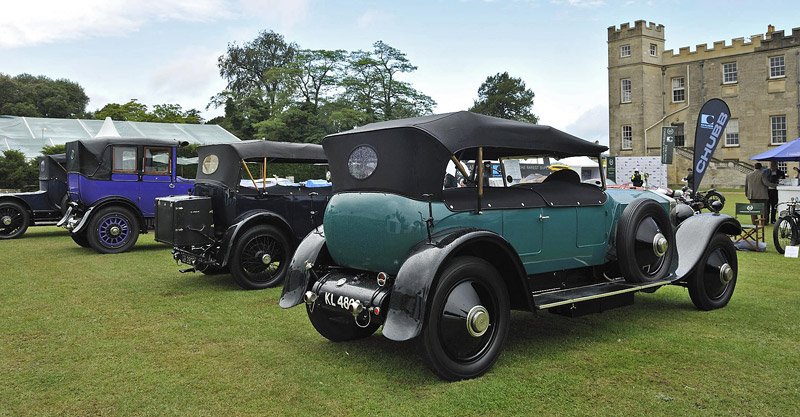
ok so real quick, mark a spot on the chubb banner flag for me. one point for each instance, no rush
(711, 124)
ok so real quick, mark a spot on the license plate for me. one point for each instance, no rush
(337, 301)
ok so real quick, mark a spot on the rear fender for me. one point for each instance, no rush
(16, 199)
(244, 221)
(417, 276)
(693, 235)
(299, 275)
(84, 217)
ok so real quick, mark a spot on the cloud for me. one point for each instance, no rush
(591, 125)
(580, 3)
(371, 18)
(39, 21)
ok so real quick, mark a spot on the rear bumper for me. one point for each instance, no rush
(74, 219)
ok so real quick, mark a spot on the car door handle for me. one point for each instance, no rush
(171, 185)
(543, 218)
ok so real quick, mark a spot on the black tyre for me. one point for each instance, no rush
(14, 220)
(785, 233)
(713, 196)
(338, 327)
(712, 282)
(645, 242)
(260, 257)
(113, 230)
(64, 204)
(467, 322)
(80, 238)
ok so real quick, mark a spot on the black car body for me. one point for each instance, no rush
(238, 219)
(18, 211)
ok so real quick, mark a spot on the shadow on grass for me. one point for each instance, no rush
(48, 233)
(545, 333)
(199, 281)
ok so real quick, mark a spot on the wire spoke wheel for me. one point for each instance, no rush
(14, 220)
(260, 257)
(114, 230)
(785, 233)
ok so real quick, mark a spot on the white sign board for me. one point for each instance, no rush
(651, 168)
(792, 251)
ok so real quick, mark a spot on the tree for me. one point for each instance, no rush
(54, 149)
(133, 111)
(504, 96)
(15, 172)
(317, 73)
(40, 96)
(260, 67)
(373, 87)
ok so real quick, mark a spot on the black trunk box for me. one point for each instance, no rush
(184, 220)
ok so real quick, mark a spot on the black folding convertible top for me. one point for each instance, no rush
(413, 153)
(463, 132)
(231, 154)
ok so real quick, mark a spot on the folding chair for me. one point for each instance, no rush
(754, 233)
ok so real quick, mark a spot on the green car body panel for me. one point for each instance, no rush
(376, 231)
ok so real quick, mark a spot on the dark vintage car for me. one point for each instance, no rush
(445, 266)
(240, 220)
(113, 184)
(18, 211)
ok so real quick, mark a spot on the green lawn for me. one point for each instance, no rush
(87, 334)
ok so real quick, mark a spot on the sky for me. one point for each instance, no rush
(165, 51)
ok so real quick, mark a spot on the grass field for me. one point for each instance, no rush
(88, 334)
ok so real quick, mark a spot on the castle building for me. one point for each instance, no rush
(650, 88)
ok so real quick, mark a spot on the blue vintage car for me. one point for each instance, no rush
(113, 184)
(18, 211)
(444, 265)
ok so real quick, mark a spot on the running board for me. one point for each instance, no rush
(557, 298)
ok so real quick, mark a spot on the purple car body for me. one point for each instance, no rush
(113, 184)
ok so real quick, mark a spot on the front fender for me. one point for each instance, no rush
(417, 276)
(693, 235)
(233, 231)
(299, 274)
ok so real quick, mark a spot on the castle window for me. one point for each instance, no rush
(778, 124)
(625, 91)
(783, 166)
(680, 137)
(627, 137)
(624, 51)
(678, 89)
(653, 49)
(729, 73)
(732, 133)
(777, 67)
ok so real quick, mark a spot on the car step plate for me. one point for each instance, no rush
(590, 292)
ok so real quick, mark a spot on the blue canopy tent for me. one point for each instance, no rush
(789, 151)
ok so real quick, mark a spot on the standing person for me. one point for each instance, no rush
(636, 179)
(774, 175)
(796, 175)
(690, 179)
(756, 187)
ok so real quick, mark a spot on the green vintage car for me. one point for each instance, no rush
(445, 265)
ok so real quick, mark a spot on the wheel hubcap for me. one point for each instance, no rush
(115, 231)
(6, 220)
(266, 259)
(477, 321)
(660, 245)
(725, 273)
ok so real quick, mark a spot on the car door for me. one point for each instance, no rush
(124, 173)
(157, 167)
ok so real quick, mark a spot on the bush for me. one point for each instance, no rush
(16, 173)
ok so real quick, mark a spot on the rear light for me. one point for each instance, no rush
(382, 278)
